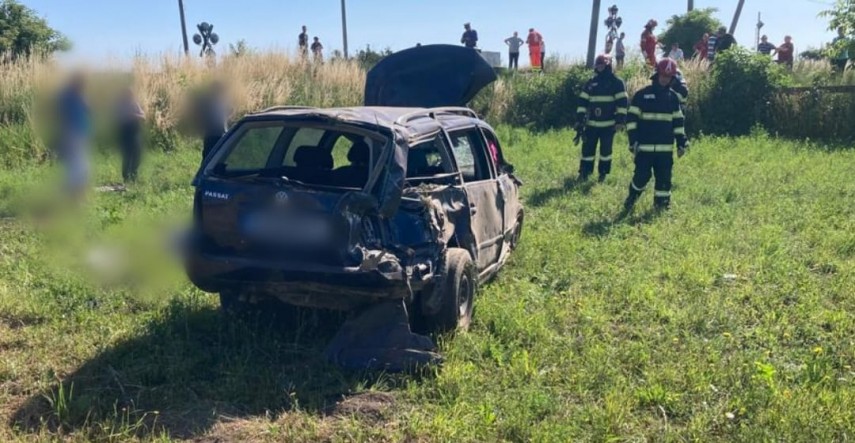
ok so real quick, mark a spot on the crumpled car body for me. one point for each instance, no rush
(344, 207)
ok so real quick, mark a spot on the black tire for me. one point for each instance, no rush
(455, 288)
(516, 236)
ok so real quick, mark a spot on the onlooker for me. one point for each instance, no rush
(649, 42)
(701, 47)
(74, 135)
(470, 37)
(724, 41)
(215, 113)
(786, 52)
(764, 47)
(318, 51)
(130, 116)
(711, 45)
(514, 43)
(534, 41)
(676, 53)
(620, 51)
(303, 42)
(543, 54)
(841, 47)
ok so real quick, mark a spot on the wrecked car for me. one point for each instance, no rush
(406, 199)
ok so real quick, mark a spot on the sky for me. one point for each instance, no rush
(104, 30)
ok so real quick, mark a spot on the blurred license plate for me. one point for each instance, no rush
(289, 228)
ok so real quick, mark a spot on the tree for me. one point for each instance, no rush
(23, 32)
(240, 49)
(841, 15)
(688, 28)
(368, 57)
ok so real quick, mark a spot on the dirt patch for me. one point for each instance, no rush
(19, 321)
(368, 406)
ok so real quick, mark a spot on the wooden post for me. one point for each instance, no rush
(183, 27)
(344, 26)
(592, 39)
(736, 16)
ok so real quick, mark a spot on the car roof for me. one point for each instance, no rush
(416, 121)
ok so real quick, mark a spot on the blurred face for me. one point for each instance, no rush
(764, 39)
(304, 29)
(466, 27)
(788, 39)
(516, 34)
(599, 67)
(665, 80)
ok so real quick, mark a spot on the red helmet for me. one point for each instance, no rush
(666, 66)
(603, 59)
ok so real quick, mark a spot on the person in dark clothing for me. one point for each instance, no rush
(764, 47)
(602, 109)
(724, 41)
(303, 42)
(655, 122)
(215, 114)
(679, 86)
(131, 117)
(470, 37)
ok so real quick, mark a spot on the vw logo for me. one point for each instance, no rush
(281, 198)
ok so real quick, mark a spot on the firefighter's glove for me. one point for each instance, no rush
(681, 150)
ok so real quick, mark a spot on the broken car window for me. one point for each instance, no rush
(469, 153)
(425, 159)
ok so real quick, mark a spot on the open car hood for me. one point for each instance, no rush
(428, 76)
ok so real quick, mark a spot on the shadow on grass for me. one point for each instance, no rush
(189, 368)
(541, 198)
(602, 228)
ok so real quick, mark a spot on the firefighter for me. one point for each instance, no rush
(679, 85)
(655, 122)
(602, 109)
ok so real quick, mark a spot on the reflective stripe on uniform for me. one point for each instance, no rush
(662, 194)
(607, 158)
(680, 131)
(632, 183)
(657, 116)
(602, 124)
(678, 114)
(581, 110)
(655, 148)
(602, 98)
(620, 95)
(632, 126)
(635, 110)
(587, 159)
(584, 95)
(621, 111)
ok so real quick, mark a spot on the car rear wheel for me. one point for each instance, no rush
(455, 289)
(517, 234)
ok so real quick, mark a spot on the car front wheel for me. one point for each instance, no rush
(455, 289)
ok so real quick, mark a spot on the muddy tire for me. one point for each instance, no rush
(455, 288)
(517, 234)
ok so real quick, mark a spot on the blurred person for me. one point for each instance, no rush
(649, 43)
(602, 110)
(620, 51)
(75, 127)
(542, 55)
(764, 47)
(130, 120)
(724, 40)
(841, 50)
(701, 47)
(534, 40)
(318, 50)
(786, 52)
(215, 114)
(470, 37)
(514, 43)
(675, 53)
(303, 42)
(655, 123)
(711, 45)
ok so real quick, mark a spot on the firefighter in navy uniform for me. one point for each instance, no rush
(602, 109)
(679, 85)
(655, 122)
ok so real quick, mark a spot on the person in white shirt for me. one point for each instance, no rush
(676, 53)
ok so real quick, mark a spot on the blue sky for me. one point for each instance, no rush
(117, 29)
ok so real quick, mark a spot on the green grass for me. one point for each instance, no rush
(730, 318)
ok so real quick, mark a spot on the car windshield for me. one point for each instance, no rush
(313, 155)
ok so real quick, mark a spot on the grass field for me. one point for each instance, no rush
(730, 318)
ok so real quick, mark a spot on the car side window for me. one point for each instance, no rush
(425, 159)
(303, 137)
(470, 154)
(494, 149)
(254, 148)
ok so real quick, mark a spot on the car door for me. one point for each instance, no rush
(470, 154)
(508, 188)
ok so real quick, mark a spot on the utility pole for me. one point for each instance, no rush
(736, 16)
(691, 5)
(344, 26)
(592, 39)
(183, 27)
(759, 27)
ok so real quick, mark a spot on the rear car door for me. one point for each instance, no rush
(470, 153)
(508, 188)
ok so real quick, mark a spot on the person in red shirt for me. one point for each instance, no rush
(649, 42)
(702, 47)
(786, 52)
(534, 42)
